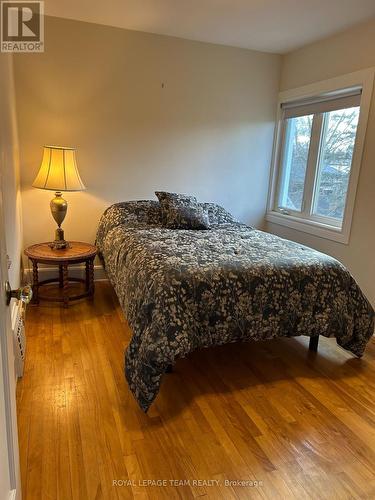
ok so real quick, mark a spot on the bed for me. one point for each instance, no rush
(182, 290)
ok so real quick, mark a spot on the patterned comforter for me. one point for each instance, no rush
(186, 289)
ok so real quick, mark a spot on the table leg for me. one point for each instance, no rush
(65, 285)
(87, 284)
(61, 284)
(35, 283)
(91, 277)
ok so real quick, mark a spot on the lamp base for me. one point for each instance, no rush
(59, 242)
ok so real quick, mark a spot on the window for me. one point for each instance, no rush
(318, 144)
(317, 157)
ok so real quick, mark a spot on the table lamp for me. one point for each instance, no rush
(58, 172)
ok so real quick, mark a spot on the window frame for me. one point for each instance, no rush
(305, 221)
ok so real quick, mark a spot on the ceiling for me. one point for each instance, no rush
(267, 25)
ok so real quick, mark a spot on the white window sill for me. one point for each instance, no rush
(309, 226)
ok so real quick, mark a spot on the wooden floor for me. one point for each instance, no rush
(301, 425)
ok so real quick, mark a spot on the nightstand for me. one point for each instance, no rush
(76, 253)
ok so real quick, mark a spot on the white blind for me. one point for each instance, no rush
(323, 104)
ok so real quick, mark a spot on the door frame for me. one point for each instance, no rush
(9, 376)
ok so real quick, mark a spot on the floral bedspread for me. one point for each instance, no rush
(186, 289)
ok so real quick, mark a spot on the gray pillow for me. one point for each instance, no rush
(217, 214)
(181, 211)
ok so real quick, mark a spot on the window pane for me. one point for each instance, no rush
(294, 162)
(340, 128)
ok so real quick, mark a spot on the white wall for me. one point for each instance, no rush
(344, 53)
(10, 169)
(208, 131)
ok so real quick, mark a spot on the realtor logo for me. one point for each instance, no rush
(22, 26)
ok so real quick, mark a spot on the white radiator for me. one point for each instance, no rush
(19, 337)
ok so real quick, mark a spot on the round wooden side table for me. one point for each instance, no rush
(76, 253)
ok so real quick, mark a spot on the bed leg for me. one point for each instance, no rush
(169, 369)
(313, 345)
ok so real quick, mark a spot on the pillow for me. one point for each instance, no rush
(217, 214)
(180, 211)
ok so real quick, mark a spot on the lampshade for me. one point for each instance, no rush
(58, 171)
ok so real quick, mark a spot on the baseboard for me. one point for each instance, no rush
(76, 271)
